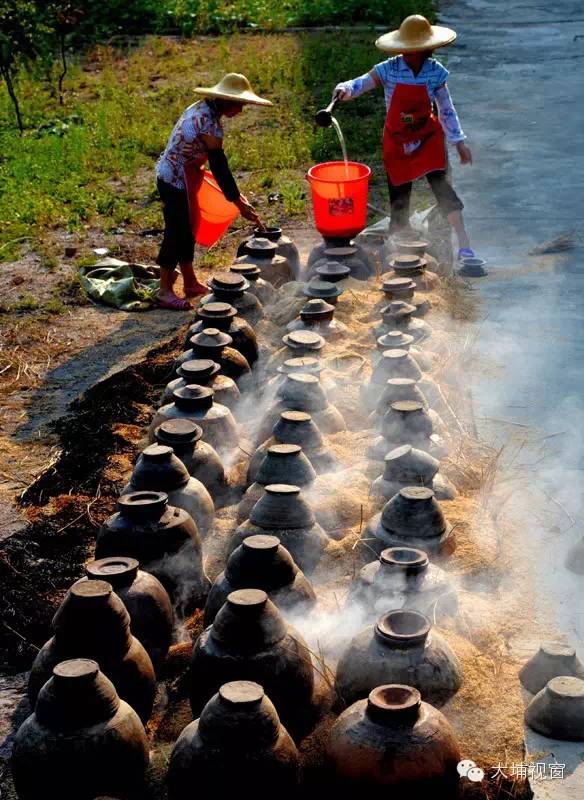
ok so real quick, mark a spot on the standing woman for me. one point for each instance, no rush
(414, 138)
(196, 138)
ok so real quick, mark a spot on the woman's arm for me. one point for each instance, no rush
(224, 177)
(349, 90)
(450, 123)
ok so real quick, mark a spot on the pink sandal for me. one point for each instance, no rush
(196, 292)
(175, 304)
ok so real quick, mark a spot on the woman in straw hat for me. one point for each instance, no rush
(414, 138)
(196, 138)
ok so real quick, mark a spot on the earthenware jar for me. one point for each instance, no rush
(261, 252)
(302, 392)
(350, 254)
(213, 344)
(204, 372)
(295, 427)
(200, 459)
(237, 742)
(399, 315)
(224, 317)
(414, 267)
(308, 365)
(285, 245)
(162, 538)
(92, 622)
(551, 660)
(227, 287)
(392, 364)
(406, 421)
(407, 466)
(261, 562)
(195, 403)
(317, 315)
(159, 470)
(325, 290)
(405, 289)
(283, 512)
(146, 600)
(400, 646)
(557, 711)
(297, 344)
(399, 340)
(412, 247)
(412, 518)
(333, 271)
(393, 739)
(397, 389)
(81, 741)
(281, 463)
(263, 290)
(249, 640)
(403, 577)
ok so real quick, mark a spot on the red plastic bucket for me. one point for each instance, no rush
(211, 214)
(339, 197)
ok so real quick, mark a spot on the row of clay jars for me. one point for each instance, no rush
(227, 287)
(403, 577)
(295, 427)
(92, 622)
(82, 741)
(214, 345)
(203, 372)
(201, 460)
(399, 647)
(223, 317)
(407, 466)
(283, 512)
(164, 540)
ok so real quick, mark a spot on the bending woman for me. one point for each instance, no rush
(196, 138)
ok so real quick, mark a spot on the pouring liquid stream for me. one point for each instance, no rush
(339, 132)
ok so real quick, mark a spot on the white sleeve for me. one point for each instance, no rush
(448, 116)
(358, 86)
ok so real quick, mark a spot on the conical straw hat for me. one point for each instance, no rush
(415, 34)
(236, 87)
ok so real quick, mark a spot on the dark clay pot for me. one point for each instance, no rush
(285, 246)
(399, 340)
(249, 640)
(282, 512)
(415, 267)
(196, 403)
(146, 600)
(162, 538)
(92, 622)
(400, 315)
(325, 290)
(552, 660)
(392, 739)
(412, 247)
(412, 518)
(318, 316)
(397, 389)
(214, 345)
(263, 290)
(405, 289)
(158, 469)
(282, 462)
(200, 459)
(262, 253)
(407, 466)
(403, 577)
(400, 646)
(204, 372)
(557, 711)
(295, 427)
(309, 366)
(227, 287)
(82, 740)
(397, 363)
(349, 253)
(261, 562)
(333, 271)
(224, 317)
(237, 742)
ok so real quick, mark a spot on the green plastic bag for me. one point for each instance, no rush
(129, 287)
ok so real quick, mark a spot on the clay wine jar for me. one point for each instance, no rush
(552, 660)
(283, 512)
(282, 463)
(261, 562)
(405, 422)
(164, 539)
(392, 739)
(557, 711)
(263, 290)
(284, 244)
(200, 459)
(407, 466)
(224, 317)
(196, 403)
(214, 345)
(318, 316)
(227, 287)
(295, 427)
(399, 340)
(249, 640)
(397, 389)
(158, 469)
(349, 253)
(412, 518)
(308, 365)
(204, 372)
(82, 741)
(146, 600)
(399, 315)
(260, 252)
(237, 742)
(400, 646)
(92, 622)
(403, 577)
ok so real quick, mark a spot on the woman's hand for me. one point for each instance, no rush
(248, 212)
(464, 153)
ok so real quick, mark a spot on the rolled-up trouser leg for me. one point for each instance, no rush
(178, 244)
(399, 201)
(447, 199)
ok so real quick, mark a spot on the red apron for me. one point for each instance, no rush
(409, 119)
(194, 174)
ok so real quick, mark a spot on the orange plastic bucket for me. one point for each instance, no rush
(339, 197)
(211, 213)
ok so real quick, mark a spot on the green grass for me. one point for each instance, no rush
(90, 163)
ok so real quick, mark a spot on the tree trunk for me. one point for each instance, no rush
(64, 62)
(10, 86)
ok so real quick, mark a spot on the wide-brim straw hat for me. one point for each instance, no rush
(235, 87)
(415, 34)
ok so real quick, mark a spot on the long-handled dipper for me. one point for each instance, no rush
(324, 117)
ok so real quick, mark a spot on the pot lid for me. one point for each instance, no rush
(228, 282)
(340, 252)
(333, 271)
(398, 308)
(248, 622)
(247, 270)
(212, 338)
(319, 288)
(282, 507)
(394, 340)
(179, 431)
(303, 391)
(410, 560)
(198, 370)
(302, 364)
(261, 246)
(262, 562)
(316, 308)
(407, 463)
(405, 261)
(120, 571)
(398, 285)
(143, 505)
(403, 628)
(157, 467)
(297, 427)
(304, 340)
(215, 311)
(407, 406)
(193, 397)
